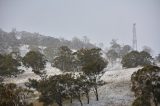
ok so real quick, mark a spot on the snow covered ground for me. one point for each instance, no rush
(116, 91)
(22, 78)
(114, 66)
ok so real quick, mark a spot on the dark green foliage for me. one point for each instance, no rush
(32, 83)
(146, 84)
(85, 86)
(50, 53)
(91, 56)
(146, 58)
(55, 89)
(59, 87)
(35, 60)
(135, 58)
(92, 65)
(52, 90)
(95, 67)
(91, 61)
(8, 66)
(11, 95)
(64, 59)
(82, 87)
(141, 101)
(68, 86)
(131, 59)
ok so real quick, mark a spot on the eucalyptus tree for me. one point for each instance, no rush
(92, 64)
(36, 61)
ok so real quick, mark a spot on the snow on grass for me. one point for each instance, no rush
(52, 70)
(118, 75)
(116, 65)
(116, 91)
(22, 78)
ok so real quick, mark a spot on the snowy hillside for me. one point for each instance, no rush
(21, 79)
(116, 91)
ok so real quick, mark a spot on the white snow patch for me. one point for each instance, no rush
(52, 70)
(23, 50)
(42, 48)
(74, 50)
(118, 75)
(22, 78)
(116, 65)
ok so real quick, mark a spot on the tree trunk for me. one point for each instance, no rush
(79, 97)
(59, 100)
(59, 104)
(154, 98)
(96, 93)
(155, 101)
(71, 99)
(87, 95)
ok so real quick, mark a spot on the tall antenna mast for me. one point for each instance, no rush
(134, 37)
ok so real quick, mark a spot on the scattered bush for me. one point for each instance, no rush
(11, 95)
(146, 86)
(35, 60)
(9, 66)
(135, 58)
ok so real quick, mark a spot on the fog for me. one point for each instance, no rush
(100, 20)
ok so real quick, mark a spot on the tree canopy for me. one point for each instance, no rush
(9, 66)
(92, 65)
(135, 58)
(146, 84)
(11, 95)
(35, 60)
(64, 59)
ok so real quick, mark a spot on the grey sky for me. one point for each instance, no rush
(100, 20)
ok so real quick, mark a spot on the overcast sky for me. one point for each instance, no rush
(100, 20)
